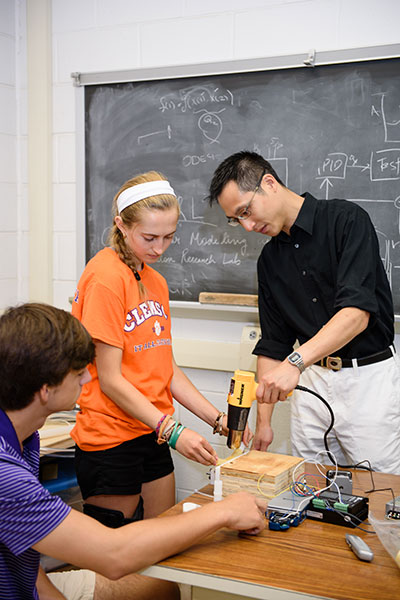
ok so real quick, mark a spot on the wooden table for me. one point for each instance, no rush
(308, 561)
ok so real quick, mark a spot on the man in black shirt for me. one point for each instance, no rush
(322, 283)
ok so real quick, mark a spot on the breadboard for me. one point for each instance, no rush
(262, 474)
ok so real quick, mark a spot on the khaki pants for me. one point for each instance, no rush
(366, 405)
(75, 585)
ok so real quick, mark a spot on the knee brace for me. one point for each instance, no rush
(112, 518)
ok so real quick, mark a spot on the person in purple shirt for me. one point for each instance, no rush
(44, 352)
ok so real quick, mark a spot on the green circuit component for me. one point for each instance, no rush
(318, 503)
(341, 506)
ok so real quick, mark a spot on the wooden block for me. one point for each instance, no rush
(236, 299)
(263, 474)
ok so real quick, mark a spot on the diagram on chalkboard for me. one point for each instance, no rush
(210, 124)
(333, 131)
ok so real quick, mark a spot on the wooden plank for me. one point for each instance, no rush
(236, 299)
(256, 462)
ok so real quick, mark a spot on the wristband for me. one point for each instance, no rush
(172, 432)
(175, 435)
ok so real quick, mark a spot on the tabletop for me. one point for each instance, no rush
(311, 560)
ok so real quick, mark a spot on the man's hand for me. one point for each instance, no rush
(263, 438)
(277, 383)
(246, 513)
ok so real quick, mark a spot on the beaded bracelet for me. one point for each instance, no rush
(159, 424)
(175, 435)
(217, 428)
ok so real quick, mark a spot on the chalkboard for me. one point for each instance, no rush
(332, 130)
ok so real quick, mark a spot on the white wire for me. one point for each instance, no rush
(338, 490)
(318, 465)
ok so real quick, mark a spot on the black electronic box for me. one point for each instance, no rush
(348, 511)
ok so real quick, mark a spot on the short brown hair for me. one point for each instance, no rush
(39, 344)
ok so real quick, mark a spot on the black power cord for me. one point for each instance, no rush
(359, 465)
(348, 518)
(302, 388)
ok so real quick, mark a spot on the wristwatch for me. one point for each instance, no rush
(297, 360)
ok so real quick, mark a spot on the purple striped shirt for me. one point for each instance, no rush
(28, 512)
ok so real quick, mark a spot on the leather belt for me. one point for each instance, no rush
(336, 362)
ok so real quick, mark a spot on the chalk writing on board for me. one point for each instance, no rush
(189, 99)
(391, 127)
(166, 131)
(210, 125)
(383, 164)
(333, 131)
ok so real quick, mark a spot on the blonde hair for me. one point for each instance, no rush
(133, 214)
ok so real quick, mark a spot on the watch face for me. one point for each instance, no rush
(294, 356)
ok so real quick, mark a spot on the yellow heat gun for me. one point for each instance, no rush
(242, 394)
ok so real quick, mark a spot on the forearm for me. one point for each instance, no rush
(264, 411)
(119, 389)
(344, 326)
(117, 552)
(131, 401)
(278, 382)
(264, 415)
(170, 535)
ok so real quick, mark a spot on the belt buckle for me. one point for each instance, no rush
(334, 363)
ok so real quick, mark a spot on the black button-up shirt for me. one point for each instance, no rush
(330, 261)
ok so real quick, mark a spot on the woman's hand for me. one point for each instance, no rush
(192, 445)
(247, 434)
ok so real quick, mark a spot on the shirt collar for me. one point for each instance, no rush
(305, 218)
(8, 432)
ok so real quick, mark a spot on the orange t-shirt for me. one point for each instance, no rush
(107, 303)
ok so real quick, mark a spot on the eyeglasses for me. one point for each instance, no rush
(245, 212)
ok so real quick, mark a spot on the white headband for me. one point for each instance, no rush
(141, 191)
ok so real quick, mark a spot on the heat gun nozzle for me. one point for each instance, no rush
(234, 438)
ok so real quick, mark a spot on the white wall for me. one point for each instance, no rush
(96, 35)
(13, 197)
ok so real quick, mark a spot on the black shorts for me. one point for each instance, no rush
(121, 470)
